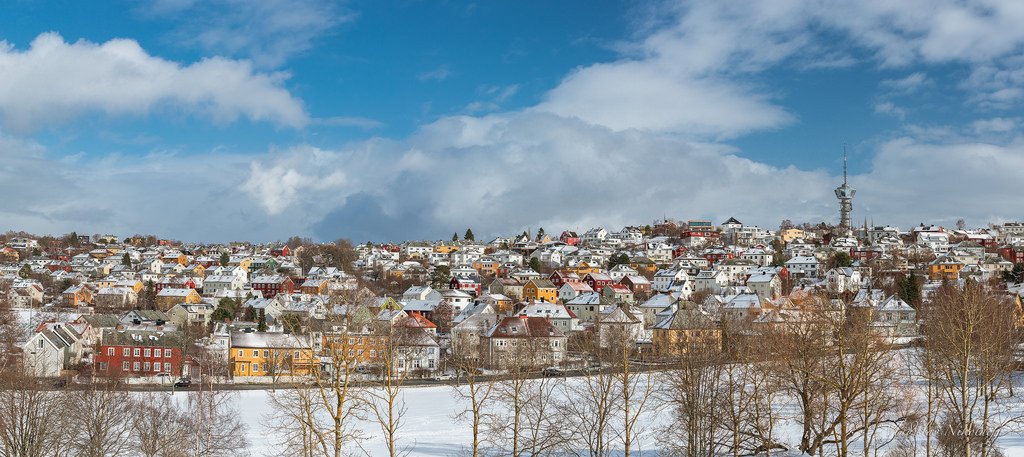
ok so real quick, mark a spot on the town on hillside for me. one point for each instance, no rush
(150, 311)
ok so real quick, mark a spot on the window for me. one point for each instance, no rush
(103, 366)
(145, 366)
(255, 368)
(136, 352)
(255, 352)
(167, 353)
(373, 353)
(126, 352)
(110, 352)
(242, 366)
(156, 353)
(124, 366)
(135, 366)
(147, 352)
(240, 354)
(266, 353)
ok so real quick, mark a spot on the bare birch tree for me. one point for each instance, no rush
(100, 420)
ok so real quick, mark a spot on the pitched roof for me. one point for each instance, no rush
(524, 327)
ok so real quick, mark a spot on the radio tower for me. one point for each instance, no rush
(845, 195)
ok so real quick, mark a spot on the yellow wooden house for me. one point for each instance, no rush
(272, 355)
(540, 290)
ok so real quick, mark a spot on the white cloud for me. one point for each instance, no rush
(268, 32)
(890, 108)
(995, 125)
(55, 81)
(440, 73)
(909, 84)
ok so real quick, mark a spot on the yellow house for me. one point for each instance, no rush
(240, 261)
(197, 270)
(540, 290)
(445, 248)
(271, 354)
(134, 284)
(169, 297)
(791, 234)
(944, 268)
(687, 330)
(644, 265)
(180, 259)
(486, 266)
(583, 268)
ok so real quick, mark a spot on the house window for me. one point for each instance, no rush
(167, 353)
(240, 354)
(145, 366)
(255, 368)
(103, 366)
(255, 352)
(135, 366)
(147, 352)
(124, 366)
(136, 352)
(156, 353)
(110, 352)
(126, 352)
(266, 353)
(242, 366)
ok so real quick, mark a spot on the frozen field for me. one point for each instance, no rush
(430, 428)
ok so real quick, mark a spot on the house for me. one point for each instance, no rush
(509, 287)
(560, 277)
(261, 354)
(520, 341)
(803, 266)
(140, 353)
(53, 348)
(116, 298)
(189, 314)
(213, 285)
(639, 285)
(597, 280)
(540, 290)
(666, 277)
(620, 325)
(617, 293)
(77, 295)
(713, 281)
(314, 287)
(170, 297)
(571, 290)
(588, 305)
(25, 294)
(271, 285)
(843, 280)
(654, 305)
(471, 325)
(944, 268)
(560, 316)
(466, 284)
(621, 271)
(686, 330)
(765, 284)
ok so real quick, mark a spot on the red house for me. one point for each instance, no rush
(1013, 254)
(272, 285)
(559, 277)
(570, 238)
(175, 283)
(470, 285)
(597, 281)
(136, 353)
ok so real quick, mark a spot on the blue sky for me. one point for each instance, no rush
(230, 119)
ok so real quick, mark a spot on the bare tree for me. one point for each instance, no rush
(475, 393)
(100, 420)
(31, 418)
(212, 424)
(523, 420)
(385, 401)
(157, 426)
(592, 403)
(970, 338)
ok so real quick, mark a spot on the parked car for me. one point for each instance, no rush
(183, 383)
(553, 371)
(444, 377)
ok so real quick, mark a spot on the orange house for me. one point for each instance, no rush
(486, 267)
(314, 287)
(583, 268)
(540, 290)
(944, 268)
(79, 295)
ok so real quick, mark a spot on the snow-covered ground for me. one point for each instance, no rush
(430, 427)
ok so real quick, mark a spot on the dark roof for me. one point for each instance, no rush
(524, 327)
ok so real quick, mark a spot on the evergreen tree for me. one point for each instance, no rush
(126, 260)
(440, 277)
(469, 235)
(535, 264)
(455, 237)
(261, 324)
(908, 289)
(225, 259)
(540, 234)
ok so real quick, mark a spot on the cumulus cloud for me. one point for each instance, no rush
(53, 81)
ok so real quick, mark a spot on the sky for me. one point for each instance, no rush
(220, 120)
